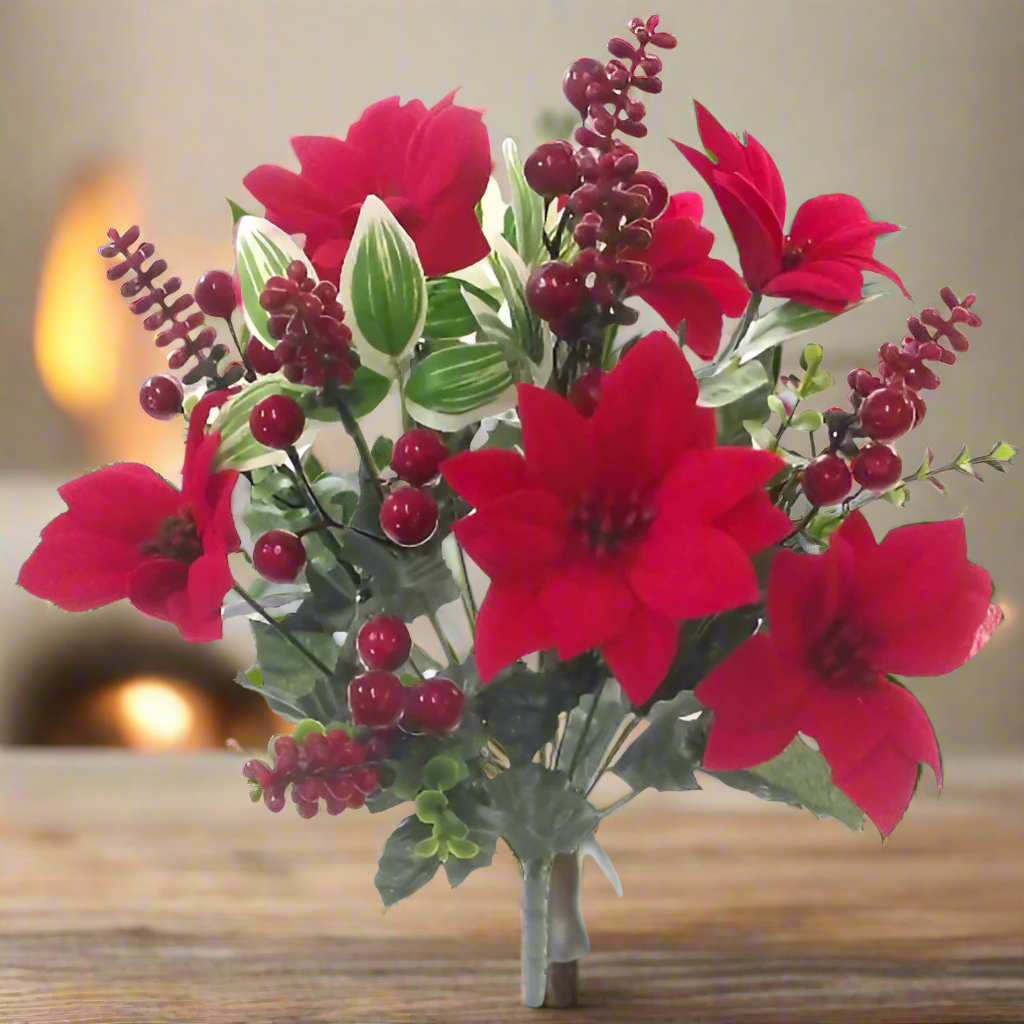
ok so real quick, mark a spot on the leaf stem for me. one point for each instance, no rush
(449, 651)
(610, 756)
(740, 332)
(586, 729)
(250, 374)
(407, 422)
(351, 425)
(621, 802)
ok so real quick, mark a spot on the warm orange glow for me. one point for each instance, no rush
(79, 313)
(161, 714)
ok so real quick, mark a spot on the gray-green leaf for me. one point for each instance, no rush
(611, 709)
(731, 384)
(665, 755)
(400, 870)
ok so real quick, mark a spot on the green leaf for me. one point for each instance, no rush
(464, 380)
(380, 452)
(664, 756)
(401, 870)
(809, 420)
(731, 384)
(814, 381)
(383, 289)
(788, 321)
(286, 669)
(926, 465)
(430, 806)
(429, 847)
(468, 801)
(963, 462)
(527, 208)
(521, 708)
(306, 726)
(811, 357)
(776, 406)
(237, 213)
(539, 812)
(262, 251)
(366, 391)
(612, 707)
(461, 849)
(529, 335)
(822, 526)
(1002, 452)
(448, 314)
(729, 419)
(443, 773)
(898, 495)
(762, 437)
(799, 776)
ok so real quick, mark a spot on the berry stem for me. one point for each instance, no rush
(407, 421)
(351, 425)
(449, 651)
(784, 426)
(283, 633)
(621, 802)
(250, 373)
(740, 332)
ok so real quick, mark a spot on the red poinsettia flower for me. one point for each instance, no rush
(430, 167)
(830, 242)
(912, 605)
(128, 533)
(612, 530)
(686, 284)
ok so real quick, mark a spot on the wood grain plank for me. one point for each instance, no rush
(148, 890)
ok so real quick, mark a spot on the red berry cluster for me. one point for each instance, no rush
(379, 700)
(306, 321)
(330, 766)
(612, 204)
(409, 514)
(886, 406)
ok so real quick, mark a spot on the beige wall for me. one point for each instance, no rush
(916, 107)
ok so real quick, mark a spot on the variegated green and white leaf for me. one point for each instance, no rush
(262, 251)
(460, 385)
(383, 289)
(527, 209)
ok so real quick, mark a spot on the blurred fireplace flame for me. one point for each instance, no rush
(155, 713)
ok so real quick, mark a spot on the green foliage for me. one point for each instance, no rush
(402, 870)
(380, 452)
(444, 772)
(809, 420)
(539, 812)
(469, 801)
(751, 408)
(527, 209)
(731, 383)
(448, 314)
(284, 667)
(451, 388)
(606, 711)
(665, 755)
(305, 727)
(237, 213)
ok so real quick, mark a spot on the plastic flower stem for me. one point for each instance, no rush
(449, 651)
(354, 431)
(621, 802)
(407, 423)
(802, 525)
(469, 600)
(249, 372)
(814, 447)
(422, 661)
(586, 730)
(610, 757)
(784, 426)
(749, 316)
(534, 931)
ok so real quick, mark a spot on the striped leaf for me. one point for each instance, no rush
(527, 208)
(459, 385)
(262, 251)
(383, 289)
(448, 315)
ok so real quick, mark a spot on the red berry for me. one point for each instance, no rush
(551, 170)
(436, 705)
(826, 480)
(257, 771)
(215, 294)
(886, 414)
(377, 744)
(659, 192)
(877, 466)
(160, 396)
(919, 406)
(366, 780)
(376, 699)
(345, 752)
(279, 556)
(863, 382)
(286, 754)
(578, 75)
(554, 289)
(408, 516)
(262, 359)
(585, 392)
(277, 421)
(383, 643)
(417, 456)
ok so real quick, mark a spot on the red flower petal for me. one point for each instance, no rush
(382, 133)
(765, 176)
(683, 204)
(642, 653)
(517, 538)
(79, 569)
(704, 485)
(556, 441)
(448, 153)
(644, 403)
(509, 625)
(755, 523)
(829, 216)
(450, 238)
(209, 579)
(803, 596)
(158, 588)
(586, 606)
(680, 300)
(338, 169)
(869, 263)
(125, 501)
(824, 284)
(754, 688)
(685, 572)
(297, 204)
(730, 748)
(328, 258)
(485, 475)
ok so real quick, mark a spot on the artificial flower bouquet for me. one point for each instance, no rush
(679, 579)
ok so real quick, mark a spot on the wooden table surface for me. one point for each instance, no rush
(149, 890)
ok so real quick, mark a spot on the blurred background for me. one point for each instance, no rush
(114, 112)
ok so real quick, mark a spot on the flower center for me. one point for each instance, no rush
(177, 538)
(792, 253)
(604, 523)
(839, 657)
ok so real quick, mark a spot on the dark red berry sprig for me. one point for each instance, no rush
(611, 204)
(306, 321)
(171, 317)
(331, 767)
(434, 706)
(417, 456)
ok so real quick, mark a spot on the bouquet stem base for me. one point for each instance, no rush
(562, 982)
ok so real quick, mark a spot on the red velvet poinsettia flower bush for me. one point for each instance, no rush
(837, 625)
(430, 166)
(128, 533)
(628, 553)
(831, 241)
(609, 531)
